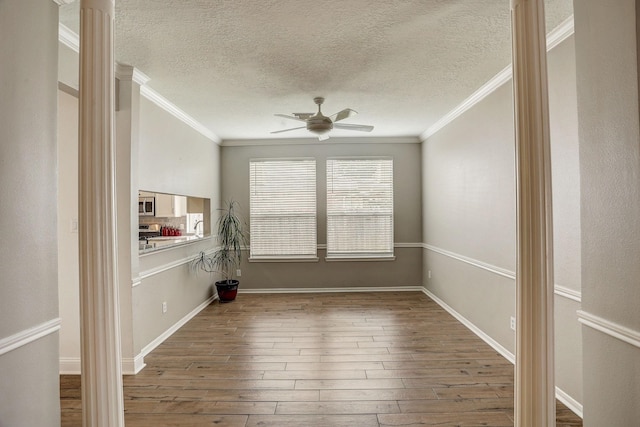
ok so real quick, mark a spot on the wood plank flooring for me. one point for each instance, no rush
(315, 360)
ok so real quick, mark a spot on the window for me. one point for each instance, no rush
(359, 208)
(283, 208)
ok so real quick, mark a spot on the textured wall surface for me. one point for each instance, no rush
(469, 214)
(404, 271)
(607, 82)
(28, 260)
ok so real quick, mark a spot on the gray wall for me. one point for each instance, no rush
(28, 261)
(172, 158)
(469, 215)
(167, 156)
(607, 79)
(406, 270)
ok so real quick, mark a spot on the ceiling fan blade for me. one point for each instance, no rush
(341, 115)
(323, 137)
(363, 128)
(287, 130)
(290, 117)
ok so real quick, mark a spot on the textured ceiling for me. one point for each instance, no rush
(232, 64)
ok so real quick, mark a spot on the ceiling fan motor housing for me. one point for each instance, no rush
(319, 124)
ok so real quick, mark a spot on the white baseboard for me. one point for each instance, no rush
(567, 400)
(473, 328)
(69, 366)
(133, 365)
(330, 290)
(166, 334)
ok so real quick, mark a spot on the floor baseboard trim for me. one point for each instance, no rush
(166, 334)
(563, 397)
(330, 290)
(473, 328)
(569, 402)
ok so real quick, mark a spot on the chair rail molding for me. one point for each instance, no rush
(559, 290)
(29, 335)
(610, 328)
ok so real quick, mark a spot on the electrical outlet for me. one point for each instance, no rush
(238, 272)
(429, 274)
(164, 307)
(512, 323)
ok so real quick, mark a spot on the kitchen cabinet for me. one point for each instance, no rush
(169, 205)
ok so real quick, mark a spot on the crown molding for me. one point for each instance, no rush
(127, 72)
(63, 2)
(68, 38)
(314, 141)
(554, 38)
(172, 109)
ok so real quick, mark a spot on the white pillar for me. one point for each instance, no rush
(534, 394)
(102, 401)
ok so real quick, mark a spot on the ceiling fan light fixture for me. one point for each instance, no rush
(320, 124)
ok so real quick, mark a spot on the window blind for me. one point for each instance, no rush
(283, 208)
(359, 207)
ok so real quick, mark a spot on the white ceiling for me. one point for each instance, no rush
(232, 64)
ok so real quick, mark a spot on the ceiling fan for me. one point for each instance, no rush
(321, 124)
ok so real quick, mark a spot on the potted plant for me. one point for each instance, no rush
(226, 259)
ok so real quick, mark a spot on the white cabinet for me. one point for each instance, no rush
(169, 205)
(179, 205)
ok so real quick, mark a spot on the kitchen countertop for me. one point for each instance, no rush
(165, 242)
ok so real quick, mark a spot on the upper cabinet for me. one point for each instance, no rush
(170, 205)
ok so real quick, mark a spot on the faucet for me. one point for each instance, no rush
(195, 227)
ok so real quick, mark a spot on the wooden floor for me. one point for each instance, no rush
(313, 360)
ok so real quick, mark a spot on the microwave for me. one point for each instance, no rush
(146, 206)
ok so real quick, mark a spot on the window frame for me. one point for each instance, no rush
(360, 256)
(286, 257)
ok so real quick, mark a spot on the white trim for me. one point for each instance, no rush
(610, 328)
(558, 289)
(168, 266)
(135, 281)
(350, 258)
(70, 366)
(63, 2)
(560, 33)
(562, 396)
(172, 109)
(127, 72)
(554, 38)
(408, 245)
(166, 334)
(567, 293)
(483, 265)
(68, 38)
(132, 365)
(73, 365)
(473, 328)
(569, 402)
(314, 141)
(330, 290)
(27, 336)
(285, 259)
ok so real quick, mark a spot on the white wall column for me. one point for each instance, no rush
(534, 398)
(102, 401)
